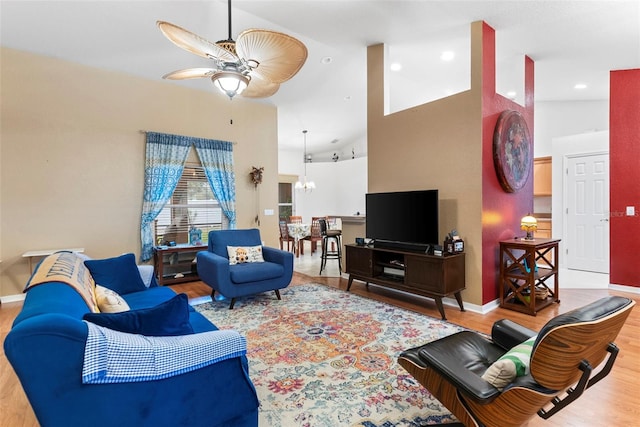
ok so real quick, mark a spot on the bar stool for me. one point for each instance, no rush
(327, 236)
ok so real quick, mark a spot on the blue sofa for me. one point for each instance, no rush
(46, 347)
(243, 278)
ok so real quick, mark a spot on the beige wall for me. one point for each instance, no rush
(437, 145)
(72, 155)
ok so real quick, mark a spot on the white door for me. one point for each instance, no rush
(587, 213)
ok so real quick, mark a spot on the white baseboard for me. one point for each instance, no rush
(624, 288)
(480, 309)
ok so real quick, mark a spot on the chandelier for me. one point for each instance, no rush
(305, 185)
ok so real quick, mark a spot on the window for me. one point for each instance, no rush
(191, 205)
(285, 199)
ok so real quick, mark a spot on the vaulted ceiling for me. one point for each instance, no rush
(571, 42)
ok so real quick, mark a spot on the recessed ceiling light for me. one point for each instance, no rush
(326, 60)
(580, 86)
(511, 94)
(447, 55)
(396, 66)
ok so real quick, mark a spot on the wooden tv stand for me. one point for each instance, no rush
(414, 272)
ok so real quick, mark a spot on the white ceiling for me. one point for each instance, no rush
(570, 41)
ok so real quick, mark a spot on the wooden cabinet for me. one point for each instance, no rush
(544, 229)
(176, 264)
(527, 268)
(542, 176)
(358, 262)
(426, 275)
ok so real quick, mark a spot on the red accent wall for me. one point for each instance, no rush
(624, 155)
(501, 211)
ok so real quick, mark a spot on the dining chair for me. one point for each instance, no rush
(316, 234)
(285, 237)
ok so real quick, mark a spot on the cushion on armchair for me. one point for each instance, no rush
(514, 363)
(242, 254)
(255, 272)
(169, 318)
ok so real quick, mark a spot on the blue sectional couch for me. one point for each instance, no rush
(46, 347)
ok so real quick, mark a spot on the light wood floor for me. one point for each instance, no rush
(615, 401)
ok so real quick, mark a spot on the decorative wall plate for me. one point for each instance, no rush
(512, 151)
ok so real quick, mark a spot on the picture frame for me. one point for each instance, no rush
(512, 151)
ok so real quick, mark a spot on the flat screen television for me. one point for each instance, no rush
(404, 220)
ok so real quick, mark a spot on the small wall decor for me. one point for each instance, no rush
(195, 236)
(512, 151)
(256, 175)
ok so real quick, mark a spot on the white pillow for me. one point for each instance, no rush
(110, 301)
(242, 254)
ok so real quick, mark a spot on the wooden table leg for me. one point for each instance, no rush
(440, 307)
(459, 299)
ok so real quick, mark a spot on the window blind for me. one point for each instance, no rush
(192, 205)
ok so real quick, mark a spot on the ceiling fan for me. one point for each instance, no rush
(255, 65)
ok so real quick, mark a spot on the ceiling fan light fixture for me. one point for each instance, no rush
(230, 82)
(263, 57)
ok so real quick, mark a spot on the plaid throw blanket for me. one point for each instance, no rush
(69, 268)
(116, 357)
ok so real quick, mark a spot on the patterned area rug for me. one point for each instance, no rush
(323, 357)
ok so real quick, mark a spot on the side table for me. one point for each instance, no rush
(176, 264)
(526, 267)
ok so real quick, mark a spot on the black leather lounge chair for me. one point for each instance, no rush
(564, 359)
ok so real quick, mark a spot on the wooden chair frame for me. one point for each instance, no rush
(565, 354)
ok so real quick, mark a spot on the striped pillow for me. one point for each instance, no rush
(512, 364)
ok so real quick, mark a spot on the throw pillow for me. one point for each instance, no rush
(169, 318)
(110, 301)
(512, 364)
(120, 274)
(242, 254)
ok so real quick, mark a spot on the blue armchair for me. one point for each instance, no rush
(243, 278)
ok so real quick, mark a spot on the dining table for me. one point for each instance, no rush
(298, 231)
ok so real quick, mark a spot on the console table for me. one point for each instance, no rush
(414, 272)
(176, 264)
(525, 268)
(46, 252)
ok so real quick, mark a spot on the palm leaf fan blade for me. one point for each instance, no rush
(260, 88)
(278, 56)
(190, 73)
(193, 43)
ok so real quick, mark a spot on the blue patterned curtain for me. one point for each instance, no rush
(165, 159)
(217, 160)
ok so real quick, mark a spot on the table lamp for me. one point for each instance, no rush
(529, 224)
